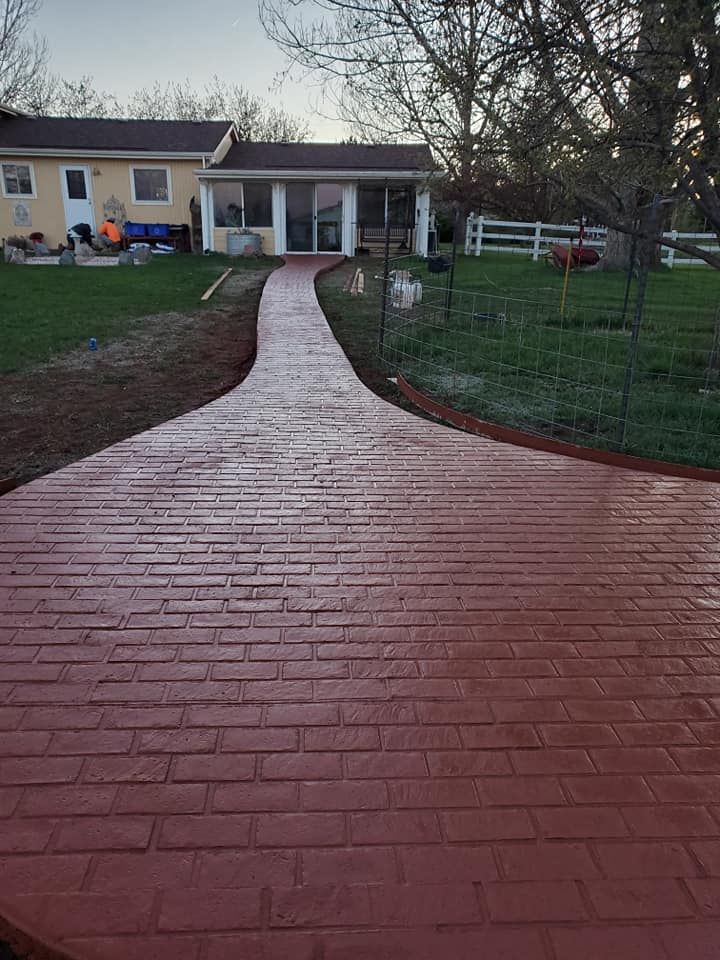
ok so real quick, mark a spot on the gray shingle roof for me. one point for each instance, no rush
(329, 156)
(143, 136)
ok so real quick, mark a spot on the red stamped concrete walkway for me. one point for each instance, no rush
(301, 676)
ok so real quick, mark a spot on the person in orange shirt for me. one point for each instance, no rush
(109, 235)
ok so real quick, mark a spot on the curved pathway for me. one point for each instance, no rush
(299, 675)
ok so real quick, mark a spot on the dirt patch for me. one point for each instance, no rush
(83, 401)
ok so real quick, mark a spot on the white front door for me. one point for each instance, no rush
(76, 186)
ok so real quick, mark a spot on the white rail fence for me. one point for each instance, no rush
(535, 239)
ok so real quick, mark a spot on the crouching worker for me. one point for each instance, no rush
(109, 235)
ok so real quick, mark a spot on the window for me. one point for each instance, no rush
(76, 188)
(151, 184)
(18, 180)
(242, 204)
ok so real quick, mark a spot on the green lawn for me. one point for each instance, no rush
(505, 353)
(687, 288)
(47, 310)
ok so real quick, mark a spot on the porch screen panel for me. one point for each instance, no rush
(258, 204)
(227, 200)
(401, 206)
(371, 205)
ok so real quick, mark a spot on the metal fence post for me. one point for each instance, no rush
(632, 355)
(714, 358)
(451, 272)
(385, 279)
(628, 284)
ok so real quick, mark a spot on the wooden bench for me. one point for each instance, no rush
(374, 237)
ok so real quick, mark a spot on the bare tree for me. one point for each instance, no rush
(405, 69)
(626, 94)
(254, 118)
(174, 101)
(48, 95)
(21, 55)
(615, 102)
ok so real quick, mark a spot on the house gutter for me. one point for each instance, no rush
(109, 154)
(314, 173)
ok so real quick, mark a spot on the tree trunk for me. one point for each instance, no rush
(618, 249)
(648, 249)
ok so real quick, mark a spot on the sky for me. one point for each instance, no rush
(126, 44)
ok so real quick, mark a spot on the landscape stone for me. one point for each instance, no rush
(83, 252)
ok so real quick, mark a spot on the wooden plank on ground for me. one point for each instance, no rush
(213, 287)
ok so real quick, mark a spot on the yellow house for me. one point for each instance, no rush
(194, 179)
(56, 172)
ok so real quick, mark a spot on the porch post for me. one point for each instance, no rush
(349, 219)
(207, 215)
(422, 222)
(278, 216)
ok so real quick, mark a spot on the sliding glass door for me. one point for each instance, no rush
(300, 216)
(329, 202)
(314, 217)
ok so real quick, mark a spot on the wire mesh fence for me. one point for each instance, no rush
(575, 375)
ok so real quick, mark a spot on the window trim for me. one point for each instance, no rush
(151, 203)
(18, 196)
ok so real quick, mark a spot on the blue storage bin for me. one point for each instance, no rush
(158, 229)
(135, 229)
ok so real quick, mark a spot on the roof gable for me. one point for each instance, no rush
(122, 136)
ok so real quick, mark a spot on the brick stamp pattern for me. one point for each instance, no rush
(301, 675)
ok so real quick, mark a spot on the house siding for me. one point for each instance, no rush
(110, 178)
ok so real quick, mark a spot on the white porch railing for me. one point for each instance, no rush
(535, 239)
